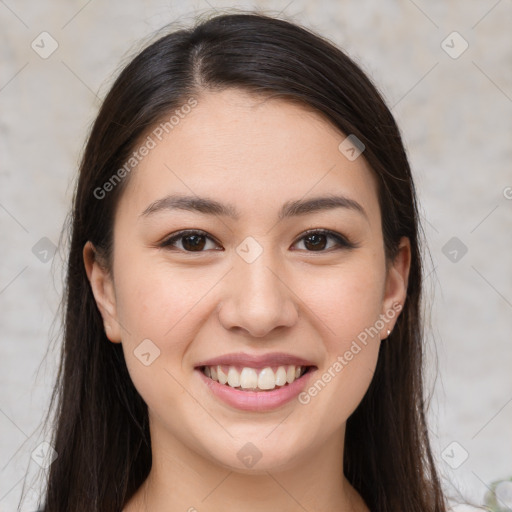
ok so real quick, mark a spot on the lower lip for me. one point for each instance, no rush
(256, 401)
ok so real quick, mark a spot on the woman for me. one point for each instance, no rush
(242, 326)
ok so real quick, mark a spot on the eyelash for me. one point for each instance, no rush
(343, 243)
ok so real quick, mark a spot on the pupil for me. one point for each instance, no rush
(197, 242)
(317, 241)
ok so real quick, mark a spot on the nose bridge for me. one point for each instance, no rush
(258, 279)
(254, 261)
(257, 299)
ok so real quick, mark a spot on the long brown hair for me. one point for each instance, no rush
(100, 421)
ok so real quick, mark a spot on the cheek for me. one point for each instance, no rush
(158, 302)
(162, 310)
(347, 300)
(348, 305)
(159, 311)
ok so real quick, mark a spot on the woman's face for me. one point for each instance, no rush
(253, 176)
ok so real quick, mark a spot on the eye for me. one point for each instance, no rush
(316, 240)
(190, 241)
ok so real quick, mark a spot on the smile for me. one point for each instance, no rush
(279, 386)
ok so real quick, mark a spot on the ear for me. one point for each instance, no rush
(103, 290)
(395, 292)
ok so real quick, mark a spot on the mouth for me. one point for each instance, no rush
(255, 383)
(252, 379)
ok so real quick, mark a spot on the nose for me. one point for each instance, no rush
(257, 298)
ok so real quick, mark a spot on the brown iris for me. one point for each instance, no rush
(315, 241)
(193, 242)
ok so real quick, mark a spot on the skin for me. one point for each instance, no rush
(255, 155)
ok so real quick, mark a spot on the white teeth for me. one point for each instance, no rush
(248, 378)
(253, 379)
(233, 378)
(290, 374)
(221, 376)
(280, 376)
(267, 379)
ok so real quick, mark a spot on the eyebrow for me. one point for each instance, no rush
(289, 209)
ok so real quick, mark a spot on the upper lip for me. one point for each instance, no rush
(256, 361)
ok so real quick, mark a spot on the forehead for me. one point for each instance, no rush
(252, 152)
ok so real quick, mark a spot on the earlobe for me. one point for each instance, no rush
(396, 284)
(103, 290)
